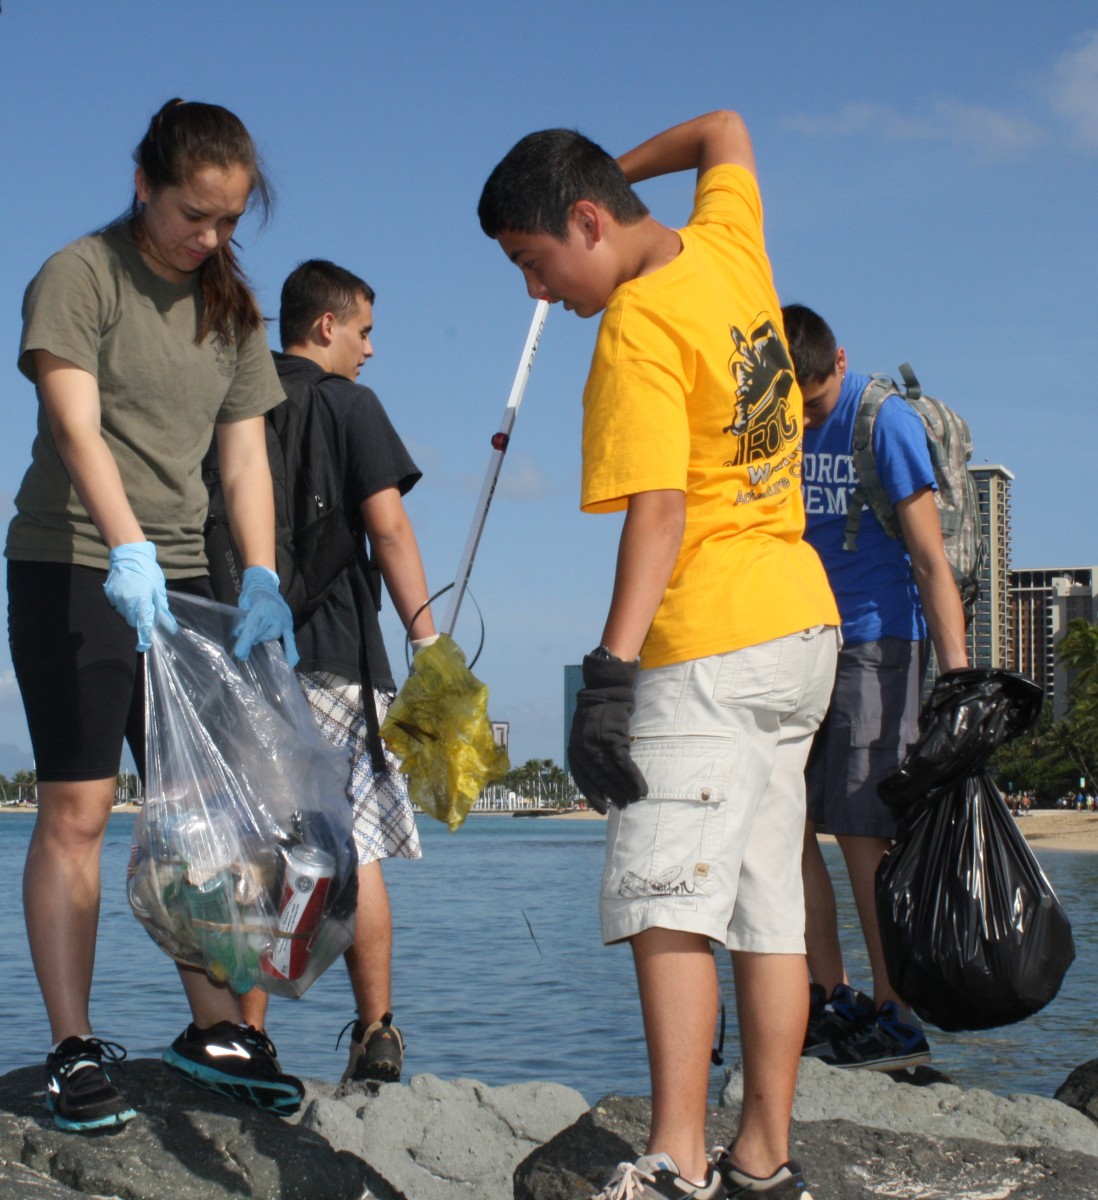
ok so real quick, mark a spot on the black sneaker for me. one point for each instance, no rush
(377, 1051)
(79, 1091)
(894, 1042)
(835, 1018)
(787, 1182)
(655, 1177)
(236, 1061)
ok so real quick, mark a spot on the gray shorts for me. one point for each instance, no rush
(872, 720)
(715, 847)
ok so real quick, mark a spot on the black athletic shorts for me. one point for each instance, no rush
(79, 672)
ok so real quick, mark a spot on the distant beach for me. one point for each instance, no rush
(1046, 828)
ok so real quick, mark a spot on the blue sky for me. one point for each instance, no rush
(929, 173)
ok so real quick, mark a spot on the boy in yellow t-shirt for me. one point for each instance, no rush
(718, 653)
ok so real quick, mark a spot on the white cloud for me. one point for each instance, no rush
(1072, 89)
(14, 739)
(9, 689)
(521, 478)
(994, 135)
(524, 479)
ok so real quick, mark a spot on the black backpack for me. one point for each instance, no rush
(314, 542)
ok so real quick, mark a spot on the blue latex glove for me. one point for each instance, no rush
(135, 586)
(264, 614)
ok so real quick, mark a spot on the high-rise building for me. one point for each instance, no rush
(1044, 600)
(990, 636)
(573, 681)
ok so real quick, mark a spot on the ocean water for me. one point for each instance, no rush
(500, 974)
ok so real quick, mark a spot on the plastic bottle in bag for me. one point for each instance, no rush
(230, 958)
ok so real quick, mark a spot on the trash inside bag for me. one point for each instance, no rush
(243, 861)
(970, 714)
(973, 934)
(438, 727)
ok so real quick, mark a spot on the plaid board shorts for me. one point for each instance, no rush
(383, 820)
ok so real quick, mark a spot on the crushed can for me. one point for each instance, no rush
(309, 874)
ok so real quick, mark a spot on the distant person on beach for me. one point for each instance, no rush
(143, 341)
(326, 321)
(890, 593)
(692, 424)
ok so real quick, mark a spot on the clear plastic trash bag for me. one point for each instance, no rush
(973, 934)
(243, 862)
(438, 727)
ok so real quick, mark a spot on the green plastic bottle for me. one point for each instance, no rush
(229, 957)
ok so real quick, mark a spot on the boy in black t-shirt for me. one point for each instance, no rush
(325, 323)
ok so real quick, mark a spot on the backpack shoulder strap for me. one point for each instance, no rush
(912, 388)
(870, 490)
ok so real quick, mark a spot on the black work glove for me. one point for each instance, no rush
(598, 748)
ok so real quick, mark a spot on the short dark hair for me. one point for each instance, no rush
(812, 345)
(533, 187)
(313, 288)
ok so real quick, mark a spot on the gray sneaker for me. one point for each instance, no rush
(655, 1177)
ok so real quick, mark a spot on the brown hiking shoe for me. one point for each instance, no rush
(377, 1052)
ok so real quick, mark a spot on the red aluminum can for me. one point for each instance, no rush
(309, 874)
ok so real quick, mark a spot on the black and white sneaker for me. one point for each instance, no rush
(79, 1091)
(786, 1183)
(236, 1061)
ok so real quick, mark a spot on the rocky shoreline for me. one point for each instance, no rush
(860, 1134)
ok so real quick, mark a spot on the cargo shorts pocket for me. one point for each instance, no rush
(669, 843)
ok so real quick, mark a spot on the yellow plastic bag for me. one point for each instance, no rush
(438, 727)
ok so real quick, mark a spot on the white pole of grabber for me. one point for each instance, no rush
(499, 448)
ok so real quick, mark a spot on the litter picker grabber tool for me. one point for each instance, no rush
(500, 442)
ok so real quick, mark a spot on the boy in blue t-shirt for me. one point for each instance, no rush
(890, 593)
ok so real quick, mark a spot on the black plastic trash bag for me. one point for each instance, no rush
(973, 934)
(970, 714)
(243, 860)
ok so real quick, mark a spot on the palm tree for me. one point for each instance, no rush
(1078, 734)
(27, 784)
(1078, 649)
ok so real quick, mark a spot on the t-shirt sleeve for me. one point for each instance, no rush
(255, 387)
(376, 458)
(636, 436)
(900, 450)
(63, 312)
(729, 195)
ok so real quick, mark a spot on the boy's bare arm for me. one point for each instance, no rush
(945, 615)
(705, 142)
(397, 554)
(649, 546)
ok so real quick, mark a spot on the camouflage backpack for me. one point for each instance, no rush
(950, 444)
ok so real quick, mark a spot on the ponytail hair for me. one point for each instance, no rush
(182, 138)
